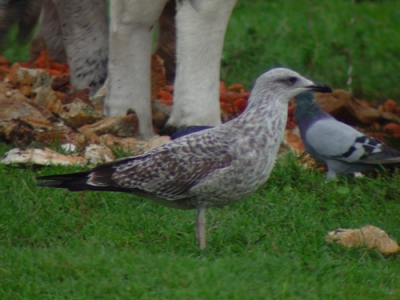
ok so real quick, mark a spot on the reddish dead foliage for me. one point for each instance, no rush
(233, 99)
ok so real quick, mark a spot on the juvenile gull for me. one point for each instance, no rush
(342, 148)
(212, 167)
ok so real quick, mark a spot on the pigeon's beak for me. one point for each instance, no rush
(320, 87)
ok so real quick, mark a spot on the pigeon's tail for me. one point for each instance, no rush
(387, 156)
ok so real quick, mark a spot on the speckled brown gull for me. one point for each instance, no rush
(214, 167)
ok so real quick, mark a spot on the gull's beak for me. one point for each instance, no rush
(320, 87)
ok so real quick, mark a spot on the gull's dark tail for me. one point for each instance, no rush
(99, 178)
(76, 182)
(72, 181)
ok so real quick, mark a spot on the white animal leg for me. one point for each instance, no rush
(201, 26)
(85, 31)
(131, 27)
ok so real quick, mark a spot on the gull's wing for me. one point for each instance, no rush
(168, 171)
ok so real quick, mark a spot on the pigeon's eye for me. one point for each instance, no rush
(292, 80)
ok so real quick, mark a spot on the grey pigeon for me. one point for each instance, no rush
(343, 149)
(212, 167)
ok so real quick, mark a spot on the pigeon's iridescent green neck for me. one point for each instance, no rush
(307, 110)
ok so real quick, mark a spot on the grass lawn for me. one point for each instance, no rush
(320, 39)
(60, 245)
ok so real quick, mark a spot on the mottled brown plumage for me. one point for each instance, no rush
(214, 167)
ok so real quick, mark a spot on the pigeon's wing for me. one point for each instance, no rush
(334, 140)
(168, 171)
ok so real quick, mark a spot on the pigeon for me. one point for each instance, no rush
(343, 149)
(212, 167)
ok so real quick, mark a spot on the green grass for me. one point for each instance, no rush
(318, 39)
(61, 245)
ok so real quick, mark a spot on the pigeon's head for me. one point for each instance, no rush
(287, 84)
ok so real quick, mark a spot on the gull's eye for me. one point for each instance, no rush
(292, 80)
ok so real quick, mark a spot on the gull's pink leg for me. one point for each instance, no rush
(201, 227)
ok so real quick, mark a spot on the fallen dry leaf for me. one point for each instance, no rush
(98, 154)
(120, 126)
(346, 108)
(367, 236)
(294, 142)
(40, 156)
(78, 113)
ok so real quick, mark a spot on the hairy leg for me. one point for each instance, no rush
(201, 227)
(201, 26)
(85, 32)
(131, 28)
(49, 34)
(25, 13)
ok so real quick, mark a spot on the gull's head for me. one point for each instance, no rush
(287, 84)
